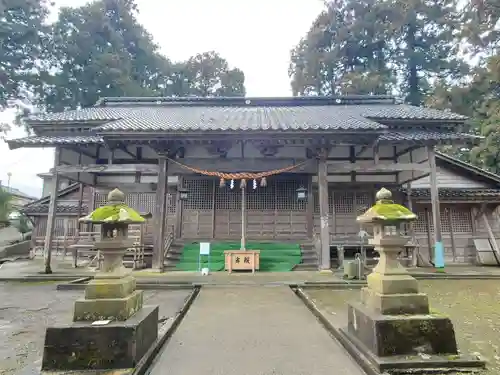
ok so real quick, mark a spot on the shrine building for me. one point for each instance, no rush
(303, 167)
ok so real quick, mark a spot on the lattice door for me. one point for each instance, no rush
(227, 211)
(197, 219)
(260, 204)
(461, 219)
(345, 214)
(291, 216)
(343, 208)
(420, 225)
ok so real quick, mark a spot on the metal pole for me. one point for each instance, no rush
(243, 217)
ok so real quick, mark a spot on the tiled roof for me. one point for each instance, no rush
(423, 135)
(183, 118)
(459, 194)
(60, 209)
(193, 114)
(86, 114)
(53, 140)
(405, 112)
(387, 136)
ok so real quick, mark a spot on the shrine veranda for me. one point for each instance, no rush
(338, 150)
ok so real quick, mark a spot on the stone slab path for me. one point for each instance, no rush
(251, 330)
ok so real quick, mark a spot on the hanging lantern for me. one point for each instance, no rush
(263, 182)
(231, 185)
(183, 194)
(243, 183)
(301, 193)
(222, 182)
(254, 184)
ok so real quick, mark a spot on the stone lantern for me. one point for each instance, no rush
(392, 325)
(111, 315)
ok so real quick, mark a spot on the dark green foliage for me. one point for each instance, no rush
(23, 225)
(439, 53)
(94, 51)
(378, 47)
(24, 39)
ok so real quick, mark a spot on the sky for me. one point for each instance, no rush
(254, 35)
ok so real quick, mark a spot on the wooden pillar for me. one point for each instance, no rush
(436, 215)
(214, 192)
(79, 213)
(243, 215)
(178, 209)
(51, 217)
(310, 209)
(491, 235)
(452, 234)
(428, 218)
(325, 261)
(160, 214)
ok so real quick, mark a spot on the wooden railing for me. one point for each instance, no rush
(169, 239)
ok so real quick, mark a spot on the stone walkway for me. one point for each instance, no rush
(251, 330)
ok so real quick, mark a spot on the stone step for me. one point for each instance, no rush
(305, 267)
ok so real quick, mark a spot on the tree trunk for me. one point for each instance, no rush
(413, 80)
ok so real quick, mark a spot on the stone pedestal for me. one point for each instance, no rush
(392, 325)
(125, 330)
(118, 345)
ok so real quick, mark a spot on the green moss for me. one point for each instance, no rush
(117, 213)
(387, 211)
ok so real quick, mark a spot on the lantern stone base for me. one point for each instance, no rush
(404, 343)
(395, 304)
(388, 335)
(107, 287)
(392, 283)
(108, 308)
(117, 345)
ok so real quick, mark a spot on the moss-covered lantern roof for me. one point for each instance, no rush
(116, 211)
(385, 211)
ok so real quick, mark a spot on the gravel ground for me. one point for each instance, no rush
(471, 304)
(26, 309)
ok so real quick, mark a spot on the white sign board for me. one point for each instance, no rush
(204, 248)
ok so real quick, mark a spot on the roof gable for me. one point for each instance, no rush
(60, 194)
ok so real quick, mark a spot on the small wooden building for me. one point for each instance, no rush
(340, 149)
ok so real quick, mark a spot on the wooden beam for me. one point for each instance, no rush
(125, 150)
(395, 167)
(376, 153)
(310, 209)
(129, 187)
(491, 235)
(452, 234)
(325, 261)
(407, 150)
(107, 168)
(242, 165)
(80, 202)
(428, 217)
(160, 214)
(413, 179)
(81, 151)
(51, 217)
(178, 209)
(436, 214)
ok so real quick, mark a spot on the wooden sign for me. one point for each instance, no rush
(242, 260)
